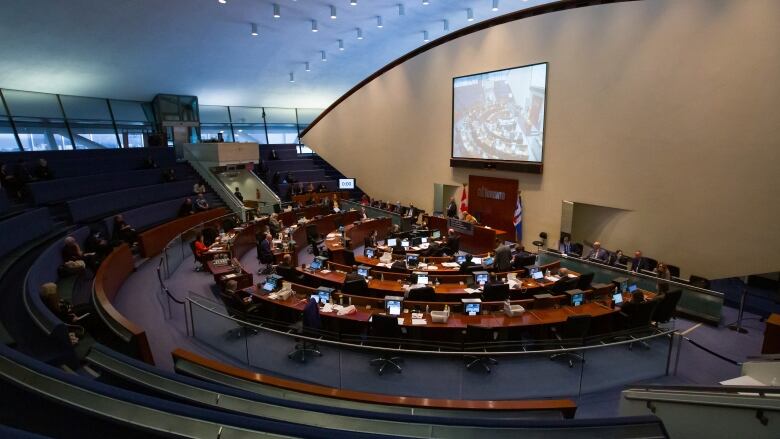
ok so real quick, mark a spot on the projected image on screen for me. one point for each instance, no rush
(500, 115)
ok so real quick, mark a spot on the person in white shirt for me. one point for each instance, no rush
(199, 188)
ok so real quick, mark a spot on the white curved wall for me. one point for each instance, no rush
(665, 108)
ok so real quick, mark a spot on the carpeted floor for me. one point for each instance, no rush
(139, 299)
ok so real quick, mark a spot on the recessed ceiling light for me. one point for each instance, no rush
(359, 33)
(222, 2)
(379, 21)
(341, 44)
(352, 2)
(314, 27)
(324, 56)
(446, 25)
(277, 11)
(292, 77)
(308, 69)
(470, 14)
(333, 12)
(495, 5)
(426, 2)
(254, 30)
(425, 36)
(401, 10)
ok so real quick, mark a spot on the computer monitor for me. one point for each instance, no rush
(487, 261)
(416, 241)
(324, 293)
(460, 259)
(370, 252)
(363, 270)
(404, 242)
(617, 297)
(392, 242)
(318, 263)
(576, 297)
(537, 275)
(412, 260)
(393, 305)
(436, 234)
(622, 283)
(420, 278)
(471, 307)
(632, 288)
(423, 240)
(481, 277)
(271, 283)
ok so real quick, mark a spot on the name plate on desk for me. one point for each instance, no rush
(460, 226)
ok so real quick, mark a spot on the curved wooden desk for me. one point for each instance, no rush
(565, 406)
(108, 279)
(154, 240)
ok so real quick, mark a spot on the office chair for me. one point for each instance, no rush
(476, 339)
(576, 249)
(349, 256)
(667, 307)
(421, 294)
(495, 292)
(651, 263)
(573, 332)
(674, 271)
(198, 259)
(387, 333)
(635, 316)
(699, 281)
(583, 282)
(239, 311)
(311, 325)
(356, 287)
(563, 285)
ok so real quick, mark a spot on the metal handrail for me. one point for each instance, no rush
(300, 336)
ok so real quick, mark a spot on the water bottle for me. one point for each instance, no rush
(547, 272)
(427, 309)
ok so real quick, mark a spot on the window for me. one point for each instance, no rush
(211, 132)
(250, 133)
(94, 135)
(7, 139)
(42, 134)
(282, 133)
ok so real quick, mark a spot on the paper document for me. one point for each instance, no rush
(572, 275)
(419, 322)
(400, 320)
(471, 290)
(552, 278)
(325, 271)
(450, 264)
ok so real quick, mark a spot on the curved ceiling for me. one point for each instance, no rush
(134, 49)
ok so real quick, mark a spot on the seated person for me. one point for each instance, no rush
(372, 239)
(322, 188)
(467, 265)
(565, 246)
(236, 298)
(274, 225)
(96, 243)
(201, 204)
(186, 207)
(265, 253)
(434, 249)
(310, 188)
(638, 262)
(615, 258)
(663, 274)
(503, 259)
(237, 194)
(74, 259)
(168, 175)
(469, 218)
(149, 163)
(64, 311)
(452, 244)
(199, 188)
(287, 270)
(42, 171)
(597, 254)
(123, 232)
(199, 248)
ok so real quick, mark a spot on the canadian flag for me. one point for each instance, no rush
(464, 199)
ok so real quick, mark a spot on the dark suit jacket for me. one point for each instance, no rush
(266, 255)
(638, 264)
(503, 260)
(452, 210)
(453, 244)
(600, 255)
(466, 266)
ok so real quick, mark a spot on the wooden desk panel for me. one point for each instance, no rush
(482, 241)
(154, 240)
(357, 233)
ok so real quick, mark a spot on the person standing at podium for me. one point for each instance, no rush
(452, 209)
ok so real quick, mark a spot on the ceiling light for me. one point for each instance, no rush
(352, 2)
(426, 2)
(222, 2)
(495, 5)
(359, 33)
(314, 26)
(341, 44)
(277, 11)
(401, 10)
(324, 56)
(307, 68)
(469, 14)
(292, 77)
(254, 30)
(425, 36)
(333, 12)
(446, 25)
(379, 21)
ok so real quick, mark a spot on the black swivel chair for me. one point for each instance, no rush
(651, 263)
(385, 333)
(576, 249)
(698, 281)
(349, 257)
(563, 285)
(313, 239)
(310, 328)
(667, 306)
(585, 280)
(674, 271)
(495, 292)
(636, 316)
(573, 333)
(240, 311)
(422, 294)
(477, 337)
(355, 287)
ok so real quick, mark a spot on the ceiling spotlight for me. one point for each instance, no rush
(341, 44)
(425, 36)
(307, 68)
(446, 25)
(222, 2)
(277, 11)
(426, 2)
(352, 2)
(470, 14)
(359, 33)
(324, 56)
(379, 21)
(333, 12)
(292, 77)
(401, 10)
(254, 30)
(495, 5)
(314, 27)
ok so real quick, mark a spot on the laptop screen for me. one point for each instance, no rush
(369, 252)
(617, 298)
(423, 240)
(404, 243)
(422, 279)
(362, 271)
(412, 260)
(460, 259)
(632, 288)
(576, 300)
(316, 264)
(391, 242)
(324, 296)
(537, 275)
(269, 285)
(393, 307)
(481, 279)
(487, 261)
(436, 234)
(472, 309)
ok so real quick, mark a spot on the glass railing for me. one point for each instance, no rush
(696, 302)
(405, 223)
(440, 372)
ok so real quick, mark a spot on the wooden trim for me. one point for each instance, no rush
(482, 25)
(566, 406)
(108, 280)
(154, 240)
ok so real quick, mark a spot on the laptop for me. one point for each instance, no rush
(391, 242)
(632, 288)
(537, 275)
(617, 298)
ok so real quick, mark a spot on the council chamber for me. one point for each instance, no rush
(389, 219)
